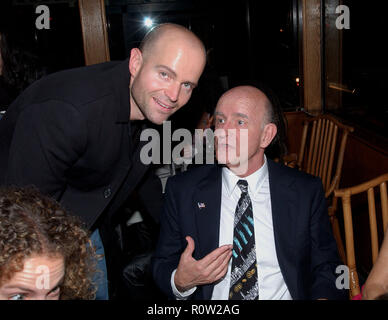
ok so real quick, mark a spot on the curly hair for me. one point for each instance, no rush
(31, 223)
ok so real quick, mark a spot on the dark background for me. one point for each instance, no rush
(247, 41)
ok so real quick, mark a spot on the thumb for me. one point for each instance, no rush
(190, 246)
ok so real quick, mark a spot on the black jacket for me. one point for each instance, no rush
(69, 134)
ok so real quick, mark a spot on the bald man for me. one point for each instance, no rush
(75, 134)
(247, 228)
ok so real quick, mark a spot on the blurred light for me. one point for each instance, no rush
(281, 30)
(148, 22)
(297, 80)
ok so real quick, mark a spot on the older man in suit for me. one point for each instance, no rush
(248, 229)
(75, 134)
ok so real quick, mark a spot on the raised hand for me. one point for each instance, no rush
(191, 272)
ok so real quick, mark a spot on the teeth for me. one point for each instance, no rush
(163, 105)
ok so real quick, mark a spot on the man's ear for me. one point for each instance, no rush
(269, 133)
(135, 61)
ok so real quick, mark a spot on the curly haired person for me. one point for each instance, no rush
(44, 252)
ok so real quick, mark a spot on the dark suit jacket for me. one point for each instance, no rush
(69, 134)
(305, 247)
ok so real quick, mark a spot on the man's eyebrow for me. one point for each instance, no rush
(242, 115)
(193, 84)
(167, 68)
(236, 114)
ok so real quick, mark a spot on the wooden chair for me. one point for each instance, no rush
(346, 194)
(321, 154)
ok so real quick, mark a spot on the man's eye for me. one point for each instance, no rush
(17, 297)
(187, 85)
(163, 74)
(241, 122)
(219, 120)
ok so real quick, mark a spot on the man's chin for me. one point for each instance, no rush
(158, 121)
(227, 161)
(157, 118)
(238, 167)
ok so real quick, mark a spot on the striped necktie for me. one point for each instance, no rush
(244, 283)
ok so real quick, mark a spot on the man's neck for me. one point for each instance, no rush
(134, 110)
(246, 169)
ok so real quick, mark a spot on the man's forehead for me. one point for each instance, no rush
(232, 114)
(172, 41)
(238, 106)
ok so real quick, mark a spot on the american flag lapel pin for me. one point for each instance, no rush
(201, 205)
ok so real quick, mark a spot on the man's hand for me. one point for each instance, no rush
(191, 272)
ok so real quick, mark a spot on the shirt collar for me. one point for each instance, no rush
(255, 180)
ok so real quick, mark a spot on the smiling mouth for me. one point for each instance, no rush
(164, 106)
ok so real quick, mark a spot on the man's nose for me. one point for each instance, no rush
(172, 92)
(226, 125)
(221, 133)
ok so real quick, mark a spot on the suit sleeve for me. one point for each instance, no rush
(48, 139)
(324, 253)
(169, 247)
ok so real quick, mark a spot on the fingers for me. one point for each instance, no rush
(218, 265)
(208, 259)
(191, 272)
(217, 269)
(223, 267)
(218, 261)
(215, 264)
(190, 246)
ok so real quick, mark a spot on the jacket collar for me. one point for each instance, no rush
(207, 203)
(118, 79)
(207, 208)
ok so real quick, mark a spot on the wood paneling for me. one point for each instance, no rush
(333, 57)
(294, 130)
(312, 56)
(362, 161)
(94, 33)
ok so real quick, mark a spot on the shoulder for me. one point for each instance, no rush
(291, 176)
(194, 176)
(74, 86)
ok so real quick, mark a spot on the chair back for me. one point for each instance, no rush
(346, 194)
(320, 154)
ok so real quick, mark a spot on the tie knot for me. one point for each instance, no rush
(243, 185)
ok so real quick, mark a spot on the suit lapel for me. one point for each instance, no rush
(207, 207)
(284, 216)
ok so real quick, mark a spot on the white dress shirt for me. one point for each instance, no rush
(271, 282)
